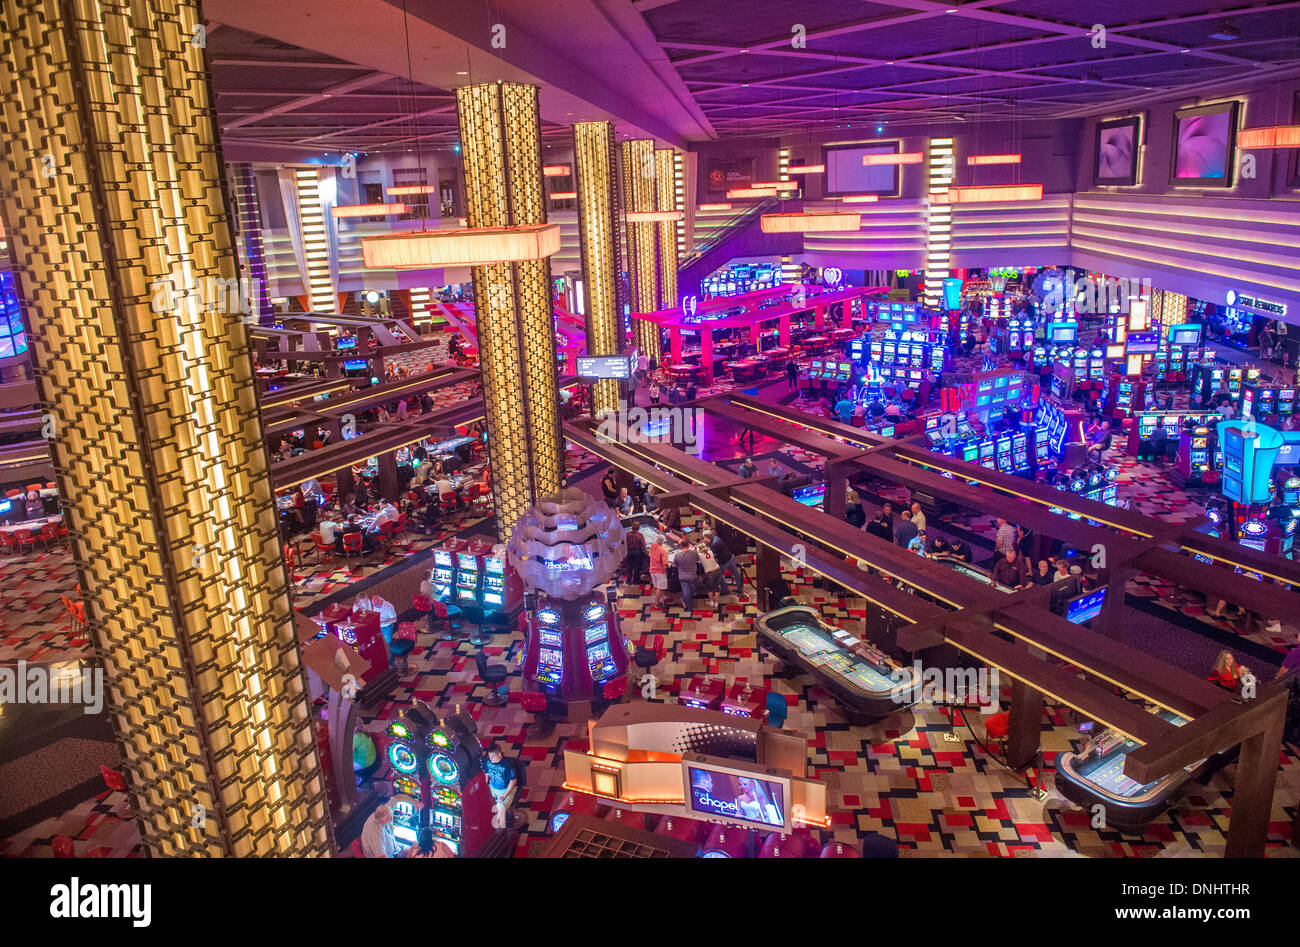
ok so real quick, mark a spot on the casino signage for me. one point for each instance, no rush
(1239, 300)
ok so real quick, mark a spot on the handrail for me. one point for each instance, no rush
(716, 234)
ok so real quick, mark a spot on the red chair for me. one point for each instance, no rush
(448, 502)
(535, 703)
(353, 545)
(445, 615)
(23, 537)
(386, 535)
(422, 603)
(35, 486)
(49, 534)
(51, 486)
(63, 846)
(615, 688)
(13, 494)
(324, 550)
(403, 643)
(7, 542)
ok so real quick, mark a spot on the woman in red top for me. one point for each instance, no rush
(1227, 672)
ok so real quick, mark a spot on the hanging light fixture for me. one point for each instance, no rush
(778, 185)
(555, 170)
(905, 157)
(860, 198)
(367, 210)
(810, 222)
(651, 216)
(564, 195)
(475, 246)
(403, 190)
(1273, 136)
(739, 192)
(806, 169)
(989, 194)
(715, 205)
(992, 159)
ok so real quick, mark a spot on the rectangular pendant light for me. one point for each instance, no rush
(906, 157)
(1274, 136)
(555, 170)
(401, 190)
(564, 195)
(737, 192)
(651, 216)
(992, 159)
(988, 195)
(367, 210)
(860, 198)
(716, 205)
(778, 185)
(806, 169)
(810, 222)
(477, 246)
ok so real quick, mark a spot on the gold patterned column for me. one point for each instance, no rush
(666, 199)
(595, 161)
(500, 131)
(639, 195)
(113, 191)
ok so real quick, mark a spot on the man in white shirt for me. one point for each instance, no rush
(444, 488)
(918, 517)
(387, 513)
(377, 840)
(328, 529)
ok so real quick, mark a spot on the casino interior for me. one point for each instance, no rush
(724, 442)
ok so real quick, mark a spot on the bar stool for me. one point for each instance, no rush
(403, 643)
(494, 676)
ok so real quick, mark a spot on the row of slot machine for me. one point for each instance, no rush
(1261, 401)
(476, 577)
(900, 357)
(1266, 527)
(1194, 465)
(1167, 426)
(574, 647)
(1125, 395)
(1092, 482)
(1016, 335)
(1207, 378)
(742, 278)
(1011, 452)
(1177, 358)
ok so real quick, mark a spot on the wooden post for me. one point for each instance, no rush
(1252, 790)
(1024, 734)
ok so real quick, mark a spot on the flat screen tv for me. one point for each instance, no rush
(846, 174)
(1115, 157)
(730, 791)
(1205, 141)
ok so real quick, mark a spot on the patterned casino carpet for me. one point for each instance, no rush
(898, 777)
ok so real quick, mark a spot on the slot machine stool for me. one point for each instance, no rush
(481, 635)
(494, 676)
(403, 644)
(445, 615)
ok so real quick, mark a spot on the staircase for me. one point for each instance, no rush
(737, 235)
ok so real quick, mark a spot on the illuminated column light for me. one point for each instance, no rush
(783, 164)
(595, 158)
(158, 445)
(315, 244)
(421, 308)
(666, 203)
(500, 133)
(679, 204)
(938, 222)
(252, 251)
(640, 194)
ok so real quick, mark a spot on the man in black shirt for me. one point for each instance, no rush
(609, 487)
(906, 530)
(1011, 570)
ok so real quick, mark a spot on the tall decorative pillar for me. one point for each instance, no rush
(315, 242)
(595, 157)
(500, 132)
(639, 194)
(248, 217)
(666, 200)
(938, 222)
(112, 187)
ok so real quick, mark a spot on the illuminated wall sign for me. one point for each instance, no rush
(832, 275)
(604, 366)
(1242, 301)
(689, 305)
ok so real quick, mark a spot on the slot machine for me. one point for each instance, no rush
(550, 648)
(600, 660)
(1004, 454)
(467, 579)
(573, 647)
(439, 781)
(1281, 523)
(1234, 381)
(1251, 376)
(987, 458)
(1267, 401)
(443, 577)
(1285, 401)
(1020, 452)
(970, 452)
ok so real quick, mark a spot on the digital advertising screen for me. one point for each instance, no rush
(736, 797)
(846, 174)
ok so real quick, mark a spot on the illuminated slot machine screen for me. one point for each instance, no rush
(1004, 453)
(1097, 364)
(876, 351)
(987, 457)
(855, 349)
(970, 453)
(1234, 380)
(891, 353)
(444, 574)
(1124, 397)
(494, 590)
(811, 495)
(1173, 426)
(844, 372)
(1286, 400)
(1085, 607)
(1147, 426)
(1020, 451)
(1291, 491)
(1267, 399)
(466, 577)
(550, 665)
(1252, 376)
(601, 662)
(914, 377)
(1247, 403)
